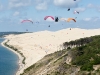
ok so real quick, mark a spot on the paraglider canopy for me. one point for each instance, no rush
(69, 19)
(76, 12)
(48, 17)
(63, 19)
(27, 21)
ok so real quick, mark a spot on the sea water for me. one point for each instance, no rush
(8, 61)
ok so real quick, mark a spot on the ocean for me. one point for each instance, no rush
(8, 61)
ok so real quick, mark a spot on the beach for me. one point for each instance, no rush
(36, 45)
(19, 56)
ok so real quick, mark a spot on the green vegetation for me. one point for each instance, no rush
(88, 55)
(15, 49)
(77, 43)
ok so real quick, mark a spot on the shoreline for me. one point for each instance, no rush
(34, 46)
(20, 58)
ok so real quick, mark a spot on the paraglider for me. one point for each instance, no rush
(27, 21)
(68, 9)
(76, 12)
(75, 17)
(37, 21)
(63, 19)
(56, 19)
(49, 26)
(69, 19)
(50, 17)
(26, 29)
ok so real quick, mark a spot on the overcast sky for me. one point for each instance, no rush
(12, 12)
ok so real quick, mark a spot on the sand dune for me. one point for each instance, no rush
(36, 45)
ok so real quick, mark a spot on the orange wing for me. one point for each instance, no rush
(69, 19)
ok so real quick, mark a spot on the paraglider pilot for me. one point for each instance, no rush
(68, 9)
(56, 19)
(49, 26)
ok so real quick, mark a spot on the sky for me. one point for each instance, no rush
(13, 12)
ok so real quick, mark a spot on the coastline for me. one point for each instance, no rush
(34, 46)
(20, 58)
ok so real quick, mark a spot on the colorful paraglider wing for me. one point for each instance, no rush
(27, 20)
(76, 12)
(56, 19)
(63, 19)
(48, 16)
(74, 20)
(69, 19)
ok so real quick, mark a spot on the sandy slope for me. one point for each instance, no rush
(36, 45)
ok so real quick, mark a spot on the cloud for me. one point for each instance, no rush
(80, 9)
(26, 19)
(87, 19)
(66, 3)
(92, 19)
(99, 10)
(38, 4)
(16, 13)
(41, 6)
(18, 3)
(1, 7)
(95, 19)
(90, 5)
(6, 19)
(20, 20)
(97, 7)
(41, 1)
(30, 19)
